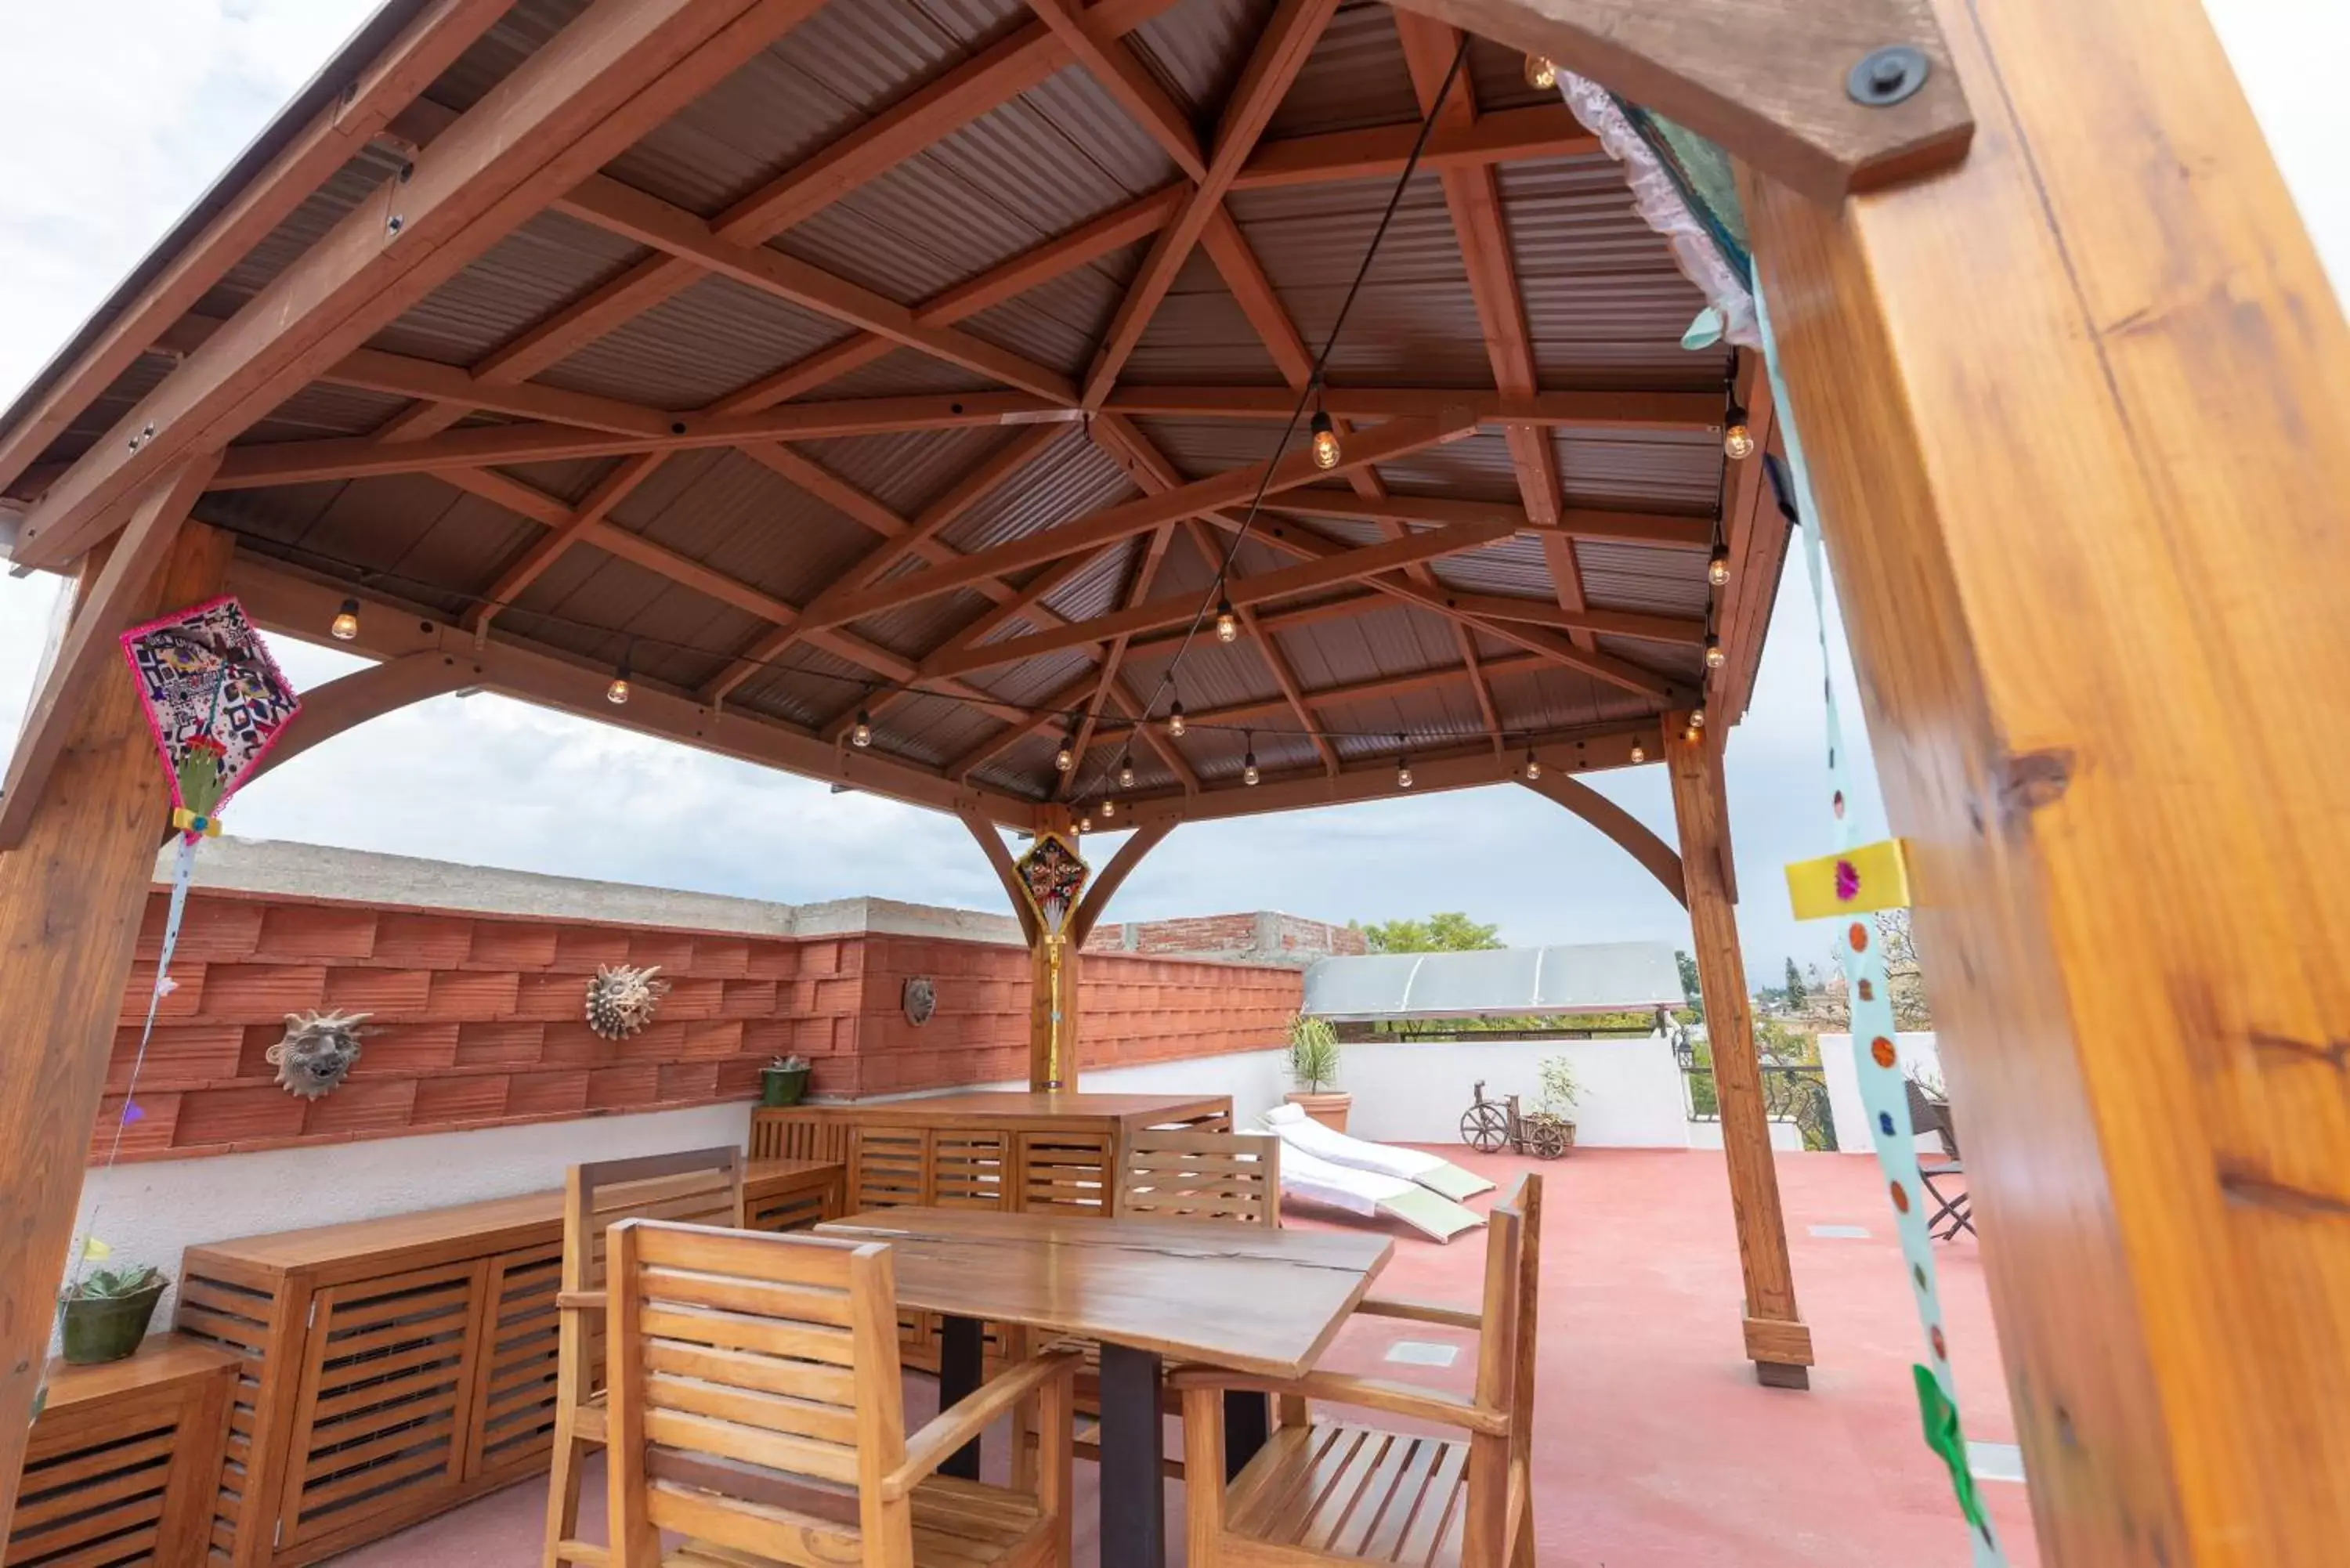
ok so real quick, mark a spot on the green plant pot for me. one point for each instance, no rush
(782, 1085)
(108, 1328)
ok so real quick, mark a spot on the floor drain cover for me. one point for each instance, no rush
(1421, 1353)
(1841, 1232)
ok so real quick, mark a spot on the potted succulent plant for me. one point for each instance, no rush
(783, 1081)
(107, 1311)
(1312, 1063)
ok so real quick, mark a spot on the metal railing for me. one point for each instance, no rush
(1791, 1093)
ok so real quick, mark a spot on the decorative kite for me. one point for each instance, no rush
(1053, 876)
(215, 700)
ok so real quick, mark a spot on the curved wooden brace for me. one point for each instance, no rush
(1629, 831)
(1105, 886)
(991, 844)
(349, 700)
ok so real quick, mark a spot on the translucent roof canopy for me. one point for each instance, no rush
(1503, 983)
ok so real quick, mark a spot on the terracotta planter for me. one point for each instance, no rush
(1329, 1109)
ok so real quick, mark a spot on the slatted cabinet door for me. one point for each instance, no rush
(513, 1426)
(385, 1402)
(1066, 1173)
(235, 1315)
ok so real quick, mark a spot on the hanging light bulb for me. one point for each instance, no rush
(1325, 441)
(1067, 757)
(1714, 657)
(1228, 624)
(1126, 773)
(1248, 763)
(1696, 717)
(346, 624)
(1109, 808)
(1639, 753)
(1533, 765)
(1084, 823)
(1737, 439)
(1689, 733)
(1717, 566)
(1403, 773)
(862, 735)
(617, 691)
(1541, 73)
(1175, 718)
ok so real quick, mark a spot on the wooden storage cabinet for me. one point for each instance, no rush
(392, 1368)
(119, 1467)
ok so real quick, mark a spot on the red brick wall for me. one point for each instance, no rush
(482, 1019)
(1227, 934)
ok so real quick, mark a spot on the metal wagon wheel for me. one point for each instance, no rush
(1547, 1139)
(1483, 1128)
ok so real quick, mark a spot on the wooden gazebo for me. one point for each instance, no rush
(879, 392)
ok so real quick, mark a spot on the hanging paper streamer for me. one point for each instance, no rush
(1053, 876)
(1849, 885)
(215, 701)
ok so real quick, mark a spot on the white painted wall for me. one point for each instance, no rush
(1416, 1093)
(1916, 1052)
(1785, 1136)
(150, 1211)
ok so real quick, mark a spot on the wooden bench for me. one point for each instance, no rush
(124, 1462)
(393, 1368)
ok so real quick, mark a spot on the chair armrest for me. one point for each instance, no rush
(579, 1300)
(951, 1429)
(1421, 1312)
(1369, 1393)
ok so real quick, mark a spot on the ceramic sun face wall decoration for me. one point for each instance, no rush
(621, 999)
(319, 1052)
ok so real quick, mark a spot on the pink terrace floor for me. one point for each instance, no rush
(1654, 1447)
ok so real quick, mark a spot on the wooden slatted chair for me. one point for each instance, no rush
(755, 1411)
(703, 1185)
(1332, 1491)
(1189, 1175)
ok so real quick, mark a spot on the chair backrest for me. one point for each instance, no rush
(755, 1398)
(695, 1186)
(1232, 1176)
(1507, 1342)
(1928, 1114)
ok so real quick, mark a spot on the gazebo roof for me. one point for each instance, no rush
(862, 379)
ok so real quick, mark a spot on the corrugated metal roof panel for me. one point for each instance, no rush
(319, 212)
(904, 468)
(320, 410)
(1656, 579)
(696, 346)
(1198, 49)
(1514, 567)
(525, 277)
(1355, 76)
(900, 373)
(1648, 471)
(734, 515)
(1067, 480)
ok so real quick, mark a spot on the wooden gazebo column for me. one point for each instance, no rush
(1777, 1341)
(72, 893)
(2074, 415)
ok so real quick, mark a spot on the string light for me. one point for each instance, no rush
(1326, 452)
(1696, 717)
(862, 735)
(346, 624)
(1533, 765)
(1639, 753)
(1717, 566)
(1067, 757)
(1109, 808)
(1403, 766)
(1126, 773)
(1248, 762)
(1228, 624)
(1737, 439)
(1714, 657)
(617, 694)
(1085, 825)
(1689, 733)
(1541, 73)
(1175, 718)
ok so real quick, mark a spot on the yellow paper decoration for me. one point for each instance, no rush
(1870, 877)
(93, 1248)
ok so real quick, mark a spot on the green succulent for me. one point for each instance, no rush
(108, 1285)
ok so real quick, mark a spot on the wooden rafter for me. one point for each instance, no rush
(1506, 136)
(427, 46)
(1292, 691)
(1145, 571)
(1631, 527)
(1280, 54)
(1584, 408)
(1364, 691)
(1113, 64)
(561, 114)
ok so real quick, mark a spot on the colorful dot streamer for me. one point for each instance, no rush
(1883, 1090)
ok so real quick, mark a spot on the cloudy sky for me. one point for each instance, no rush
(144, 101)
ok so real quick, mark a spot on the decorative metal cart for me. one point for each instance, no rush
(1487, 1125)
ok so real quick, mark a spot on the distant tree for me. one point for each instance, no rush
(1691, 992)
(1795, 991)
(1903, 975)
(1448, 933)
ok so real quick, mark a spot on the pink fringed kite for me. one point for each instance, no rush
(215, 700)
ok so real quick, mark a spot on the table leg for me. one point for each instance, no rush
(1133, 1500)
(1248, 1421)
(960, 1374)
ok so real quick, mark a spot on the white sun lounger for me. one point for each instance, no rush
(1302, 1133)
(1370, 1195)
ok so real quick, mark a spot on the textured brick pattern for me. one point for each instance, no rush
(1266, 937)
(480, 1019)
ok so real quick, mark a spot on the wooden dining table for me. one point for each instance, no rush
(1253, 1298)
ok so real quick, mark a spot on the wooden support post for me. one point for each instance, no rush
(2073, 413)
(1039, 1015)
(1777, 1341)
(72, 893)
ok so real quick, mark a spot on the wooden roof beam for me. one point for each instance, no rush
(1275, 660)
(618, 70)
(1111, 64)
(427, 46)
(1137, 593)
(1154, 736)
(1582, 522)
(833, 607)
(1587, 410)
(1380, 151)
(1281, 48)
